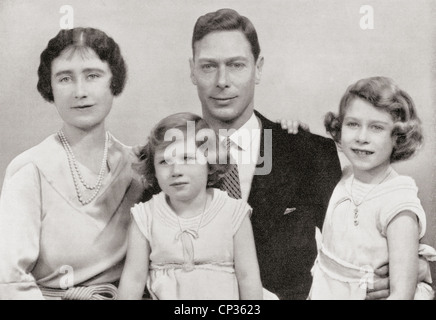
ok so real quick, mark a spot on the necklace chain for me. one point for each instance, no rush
(188, 248)
(199, 224)
(76, 174)
(356, 205)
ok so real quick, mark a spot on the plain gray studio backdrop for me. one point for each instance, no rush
(313, 50)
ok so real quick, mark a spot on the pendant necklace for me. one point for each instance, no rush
(356, 205)
(77, 175)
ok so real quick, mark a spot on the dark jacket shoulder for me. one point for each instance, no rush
(303, 141)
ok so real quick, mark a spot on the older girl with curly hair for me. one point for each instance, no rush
(374, 216)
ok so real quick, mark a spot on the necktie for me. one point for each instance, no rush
(231, 182)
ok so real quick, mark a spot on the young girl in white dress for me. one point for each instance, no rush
(189, 241)
(374, 216)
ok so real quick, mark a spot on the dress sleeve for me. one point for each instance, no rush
(242, 208)
(140, 213)
(404, 199)
(20, 227)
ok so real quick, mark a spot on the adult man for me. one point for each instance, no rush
(290, 201)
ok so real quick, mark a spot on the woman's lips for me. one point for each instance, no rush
(84, 106)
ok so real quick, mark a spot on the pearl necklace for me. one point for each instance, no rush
(74, 169)
(356, 205)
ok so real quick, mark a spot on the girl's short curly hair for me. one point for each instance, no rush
(157, 141)
(79, 39)
(384, 95)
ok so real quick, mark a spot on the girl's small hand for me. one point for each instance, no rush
(293, 125)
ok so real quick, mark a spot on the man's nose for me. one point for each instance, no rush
(223, 77)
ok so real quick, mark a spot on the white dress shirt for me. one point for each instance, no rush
(244, 149)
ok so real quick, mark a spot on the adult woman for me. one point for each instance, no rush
(65, 203)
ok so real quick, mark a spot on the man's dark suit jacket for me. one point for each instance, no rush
(305, 170)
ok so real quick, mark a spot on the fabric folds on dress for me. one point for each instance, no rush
(47, 236)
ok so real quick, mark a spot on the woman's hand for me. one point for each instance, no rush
(292, 126)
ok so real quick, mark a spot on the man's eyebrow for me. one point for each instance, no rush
(237, 58)
(205, 59)
(209, 59)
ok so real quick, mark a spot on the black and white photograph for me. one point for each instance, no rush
(217, 150)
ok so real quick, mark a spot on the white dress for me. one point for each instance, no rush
(182, 265)
(348, 253)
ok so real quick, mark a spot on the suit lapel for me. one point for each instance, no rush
(271, 194)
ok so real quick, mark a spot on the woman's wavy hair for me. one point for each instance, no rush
(157, 141)
(384, 95)
(82, 39)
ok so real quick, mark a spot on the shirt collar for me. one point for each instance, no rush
(244, 136)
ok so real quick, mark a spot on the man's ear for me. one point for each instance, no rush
(192, 66)
(259, 66)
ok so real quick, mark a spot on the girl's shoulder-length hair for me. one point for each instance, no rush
(383, 94)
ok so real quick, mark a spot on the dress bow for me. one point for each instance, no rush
(186, 237)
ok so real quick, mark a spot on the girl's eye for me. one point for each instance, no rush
(377, 128)
(351, 124)
(188, 159)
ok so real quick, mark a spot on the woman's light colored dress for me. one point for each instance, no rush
(47, 238)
